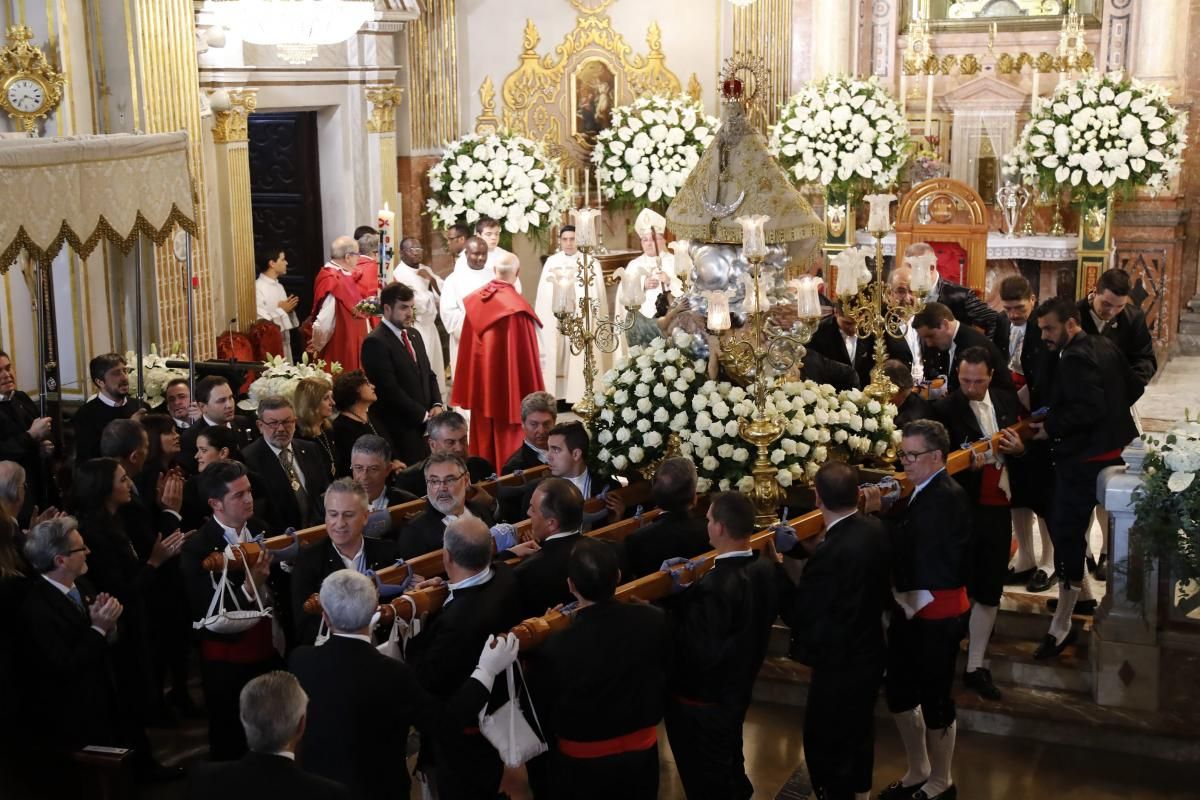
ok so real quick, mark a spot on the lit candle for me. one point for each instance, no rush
(683, 259)
(1034, 98)
(585, 226)
(564, 291)
(631, 292)
(922, 272)
(929, 105)
(587, 190)
(754, 237)
(718, 311)
(386, 225)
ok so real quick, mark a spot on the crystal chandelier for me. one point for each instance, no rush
(295, 27)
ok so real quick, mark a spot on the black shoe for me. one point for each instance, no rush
(1048, 648)
(1082, 607)
(980, 682)
(951, 793)
(1100, 573)
(1014, 578)
(898, 791)
(1040, 581)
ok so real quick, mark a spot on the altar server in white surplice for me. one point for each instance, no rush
(427, 290)
(562, 372)
(272, 300)
(488, 229)
(474, 275)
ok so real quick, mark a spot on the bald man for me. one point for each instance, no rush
(338, 330)
(962, 302)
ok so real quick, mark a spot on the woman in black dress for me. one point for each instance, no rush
(354, 397)
(314, 410)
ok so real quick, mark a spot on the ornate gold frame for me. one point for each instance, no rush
(537, 96)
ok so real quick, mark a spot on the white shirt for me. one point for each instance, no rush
(985, 415)
(358, 636)
(914, 346)
(541, 454)
(851, 342)
(380, 503)
(234, 536)
(829, 525)
(562, 535)
(268, 294)
(288, 754)
(923, 484)
(352, 562)
(108, 401)
(478, 579)
(735, 554)
(455, 289)
(1016, 344)
(583, 482)
(394, 329)
(212, 424)
(1099, 323)
(953, 345)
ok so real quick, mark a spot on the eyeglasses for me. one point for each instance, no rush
(436, 482)
(279, 423)
(357, 468)
(906, 455)
(75, 550)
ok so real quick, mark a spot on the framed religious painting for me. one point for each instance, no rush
(593, 95)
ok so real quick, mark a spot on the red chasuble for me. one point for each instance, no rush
(366, 275)
(498, 364)
(345, 345)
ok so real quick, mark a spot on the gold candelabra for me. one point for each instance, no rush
(587, 330)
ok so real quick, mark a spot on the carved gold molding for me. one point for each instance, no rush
(487, 122)
(693, 88)
(1006, 64)
(432, 44)
(232, 124)
(384, 101)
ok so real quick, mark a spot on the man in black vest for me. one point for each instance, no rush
(835, 615)
(678, 532)
(291, 472)
(722, 626)
(395, 360)
(944, 339)
(1088, 426)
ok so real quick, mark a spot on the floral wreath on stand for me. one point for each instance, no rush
(1101, 133)
(506, 177)
(281, 378)
(841, 133)
(650, 148)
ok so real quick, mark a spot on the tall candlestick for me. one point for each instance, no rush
(599, 191)
(386, 225)
(1034, 98)
(929, 105)
(903, 86)
(587, 188)
(585, 226)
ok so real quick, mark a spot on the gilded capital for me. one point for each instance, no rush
(384, 101)
(231, 124)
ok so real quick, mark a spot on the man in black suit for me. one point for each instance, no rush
(677, 532)
(446, 476)
(482, 600)
(1088, 426)
(291, 472)
(345, 548)
(183, 411)
(145, 517)
(228, 661)
(343, 678)
(371, 466)
(823, 369)
(837, 339)
(963, 303)
(394, 358)
(977, 410)
(566, 454)
(218, 408)
(446, 433)
(1107, 310)
(929, 535)
(909, 405)
(723, 624)
(835, 615)
(539, 410)
(599, 686)
(555, 516)
(1033, 485)
(944, 339)
(24, 436)
(110, 377)
(273, 711)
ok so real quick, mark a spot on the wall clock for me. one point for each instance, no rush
(30, 87)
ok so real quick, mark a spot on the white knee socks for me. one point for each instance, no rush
(1046, 560)
(1060, 626)
(1022, 522)
(941, 755)
(983, 618)
(911, 725)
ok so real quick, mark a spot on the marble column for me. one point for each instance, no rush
(833, 37)
(232, 167)
(381, 148)
(1159, 46)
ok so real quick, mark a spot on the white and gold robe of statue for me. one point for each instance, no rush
(562, 372)
(425, 310)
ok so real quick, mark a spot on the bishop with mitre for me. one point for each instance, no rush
(498, 364)
(562, 371)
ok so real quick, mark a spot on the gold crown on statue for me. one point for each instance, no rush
(743, 78)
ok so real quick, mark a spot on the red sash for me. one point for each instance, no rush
(946, 603)
(629, 743)
(251, 647)
(989, 487)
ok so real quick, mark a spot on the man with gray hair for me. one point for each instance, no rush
(273, 710)
(445, 432)
(371, 466)
(447, 479)
(338, 329)
(345, 548)
(539, 411)
(677, 532)
(291, 471)
(66, 673)
(343, 678)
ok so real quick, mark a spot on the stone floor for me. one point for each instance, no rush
(1175, 391)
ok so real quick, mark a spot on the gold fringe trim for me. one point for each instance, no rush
(732, 234)
(103, 232)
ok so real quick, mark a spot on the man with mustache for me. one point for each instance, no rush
(110, 377)
(446, 479)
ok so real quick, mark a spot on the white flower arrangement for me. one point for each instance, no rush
(651, 147)
(843, 133)
(865, 426)
(157, 373)
(1101, 132)
(508, 178)
(280, 379)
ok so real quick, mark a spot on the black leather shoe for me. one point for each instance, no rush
(1100, 573)
(1014, 578)
(1048, 648)
(980, 682)
(951, 793)
(1084, 608)
(1040, 581)
(898, 791)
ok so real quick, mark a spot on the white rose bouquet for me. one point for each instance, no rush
(866, 427)
(280, 378)
(507, 178)
(843, 133)
(1167, 504)
(157, 373)
(1101, 132)
(652, 145)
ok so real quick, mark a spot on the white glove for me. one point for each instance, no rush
(498, 655)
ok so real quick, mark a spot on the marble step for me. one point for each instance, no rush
(1011, 662)
(1039, 714)
(1025, 616)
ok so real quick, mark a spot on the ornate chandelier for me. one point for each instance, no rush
(295, 27)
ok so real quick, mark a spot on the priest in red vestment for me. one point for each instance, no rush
(338, 330)
(366, 271)
(498, 364)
